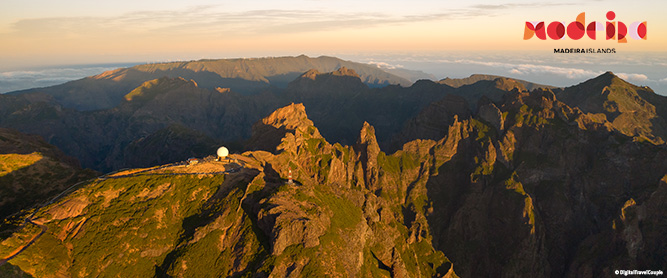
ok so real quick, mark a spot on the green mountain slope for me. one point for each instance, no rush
(32, 171)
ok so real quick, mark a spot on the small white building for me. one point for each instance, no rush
(222, 153)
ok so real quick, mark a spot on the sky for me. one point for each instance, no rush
(45, 33)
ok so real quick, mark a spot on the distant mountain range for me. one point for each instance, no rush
(245, 76)
(458, 82)
(477, 177)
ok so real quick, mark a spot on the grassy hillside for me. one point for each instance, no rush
(32, 171)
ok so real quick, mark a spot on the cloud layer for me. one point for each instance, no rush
(27, 79)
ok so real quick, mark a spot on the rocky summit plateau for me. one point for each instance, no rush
(338, 169)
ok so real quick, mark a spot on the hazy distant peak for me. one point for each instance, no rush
(598, 84)
(343, 71)
(152, 87)
(474, 78)
(508, 84)
(116, 75)
(311, 74)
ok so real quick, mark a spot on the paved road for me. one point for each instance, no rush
(17, 252)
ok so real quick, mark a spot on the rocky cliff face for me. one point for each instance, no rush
(270, 131)
(527, 186)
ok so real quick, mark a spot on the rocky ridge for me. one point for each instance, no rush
(486, 198)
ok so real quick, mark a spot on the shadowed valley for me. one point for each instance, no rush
(477, 177)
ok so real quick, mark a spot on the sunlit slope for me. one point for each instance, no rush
(32, 170)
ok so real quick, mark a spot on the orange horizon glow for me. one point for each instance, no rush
(215, 32)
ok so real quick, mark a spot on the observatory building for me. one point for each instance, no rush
(222, 153)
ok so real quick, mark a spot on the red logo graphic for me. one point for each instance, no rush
(577, 29)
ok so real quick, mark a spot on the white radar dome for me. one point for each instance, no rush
(223, 152)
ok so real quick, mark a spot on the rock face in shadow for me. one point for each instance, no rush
(433, 122)
(635, 111)
(535, 197)
(173, 143)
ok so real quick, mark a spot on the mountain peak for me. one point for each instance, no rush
(367, 149)
(604, 79)
(508, 84)
(340, 81)
(630, 109)
(599, 83)
(290, 117)
(343, 71)
(367, 134)
(474, 78)
(268, 133)
(311, 74)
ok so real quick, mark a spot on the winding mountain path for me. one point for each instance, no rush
(19, 250)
